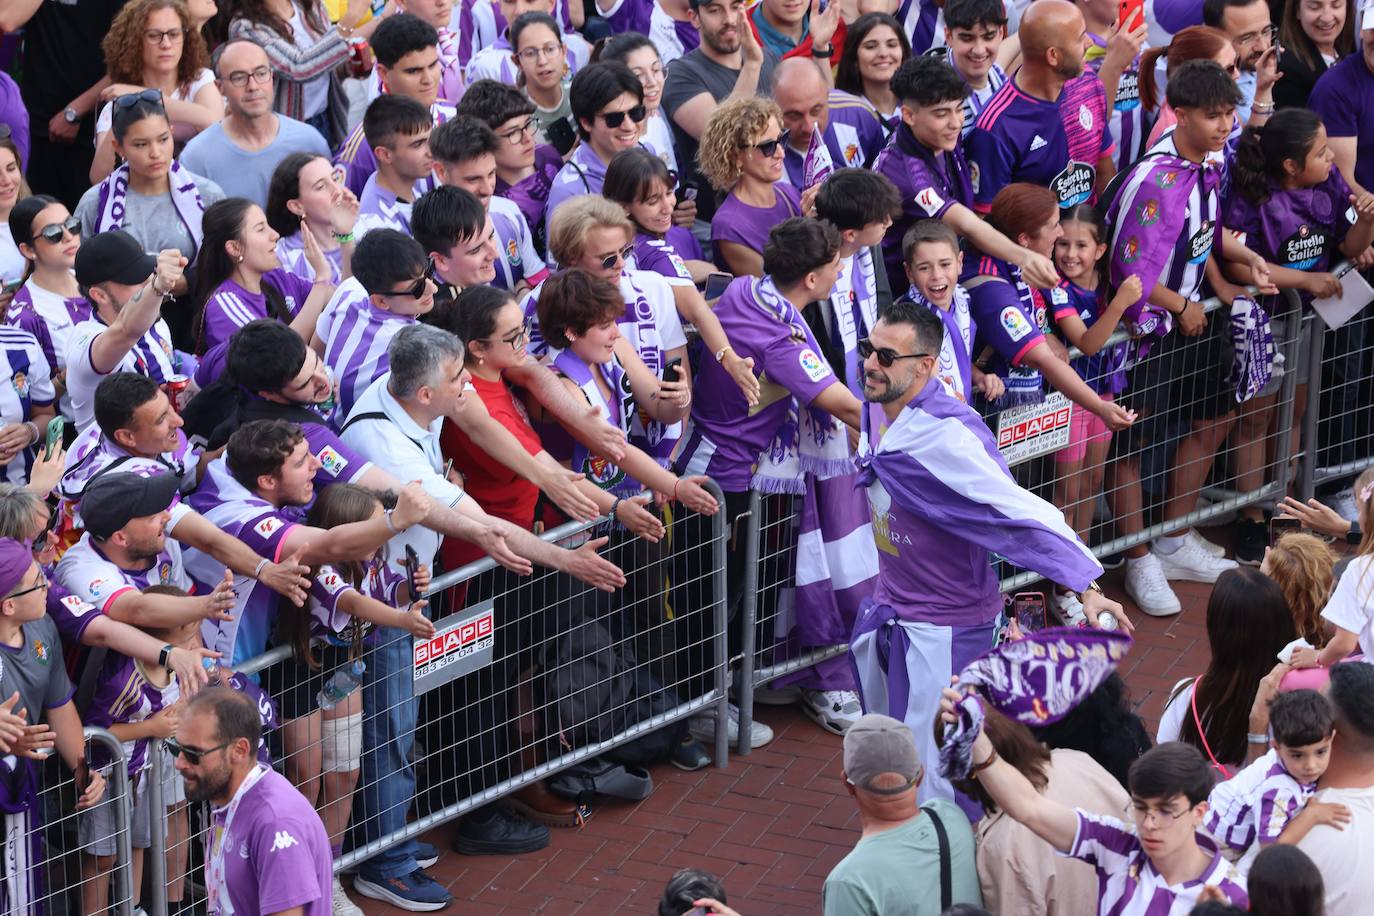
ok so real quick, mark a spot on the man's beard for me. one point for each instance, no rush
(208, 786)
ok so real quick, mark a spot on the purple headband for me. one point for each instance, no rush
(15, 561)
(1036, 681)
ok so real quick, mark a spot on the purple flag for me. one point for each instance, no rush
(818, 165)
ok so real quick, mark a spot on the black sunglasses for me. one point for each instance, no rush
(618, 257)
(133, 98)
(769, 148)
(193, 755)
(417, 289)
(886, 357)
(53, 231)
(616, 118)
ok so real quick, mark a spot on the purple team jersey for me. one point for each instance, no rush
(531, 193)
(1021, 138)
(928, 184)
(231, 306)
(1344, 97)
(1297, 228)
(1105, 370)
(853, 136)
(667, 256)
(738, 222)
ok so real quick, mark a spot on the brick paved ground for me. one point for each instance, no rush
(772, 824)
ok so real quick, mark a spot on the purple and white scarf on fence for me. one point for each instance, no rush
(1037, 680)
(185, 199)
(1254, 356)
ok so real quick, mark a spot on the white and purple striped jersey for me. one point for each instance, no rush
(333, 626)
(519, 259)
(48, 317)
(152, 356)
(1129, 885)
(124, 695)
(236, 511)
(1255, 804)
(90, 576)
(25, 383)
(93, 453)
(378, 208)
(355, 349)
(291, 253)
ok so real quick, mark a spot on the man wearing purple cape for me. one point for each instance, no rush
(943, 501)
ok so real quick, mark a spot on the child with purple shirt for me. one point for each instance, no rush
(1158, 862)
(640, 182)
(974, 32)
(1270, 801)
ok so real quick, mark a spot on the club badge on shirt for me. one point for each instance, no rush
(20, 382)
(42, 652)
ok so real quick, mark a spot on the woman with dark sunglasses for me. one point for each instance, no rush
(240, 279)
(50, 303)
(156, 44)
(741, 154)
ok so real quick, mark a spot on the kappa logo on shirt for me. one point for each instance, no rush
(283, 840)
(76, 606)
(267, 526)
(811, 364)
(1015, 323)
(332, 462)
(1038, 143)
(930, 201)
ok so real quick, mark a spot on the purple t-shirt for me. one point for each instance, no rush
(531, 193)
(668, 256)
(231, 306)
(727, 434)
(1105, 370)
(1009, 314)
(276, 852)
(928, 185)
(736, 221)
(1298, 228)
(1020, 138)
(1344, 97)
(15, 116)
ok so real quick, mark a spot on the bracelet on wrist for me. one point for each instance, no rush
(615, 506)
(262, 564)
(817, 52)
(343, 238)
(980, 767)
(33, 428)
(390, 523)
(1256, 738)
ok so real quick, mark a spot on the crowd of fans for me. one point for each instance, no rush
(308, 301)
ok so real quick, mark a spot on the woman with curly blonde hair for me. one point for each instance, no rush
(741, 152)
(1302, 565)
(157, 45)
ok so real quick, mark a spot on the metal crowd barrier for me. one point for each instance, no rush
(1252, 464)
(490, 718)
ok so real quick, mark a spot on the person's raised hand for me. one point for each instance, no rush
(741, 369)
(690, 492)
(561, 485)
(416, 623)
(824, 24)
(751, 51)
(1122, 47)
(189, 667)
(219, 604)
(586, 564)
(11, 724)
(1316, 516)
(289, 578)
(1038, 270)
(412, 505)
(639, 520)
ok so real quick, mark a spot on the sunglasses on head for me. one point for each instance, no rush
(133, 98)
(417, 289)
(193, 755)
(886, 357)
(769, 148)
(53, 232)
(614, 119)
(618, 257)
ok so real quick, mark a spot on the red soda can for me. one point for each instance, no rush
(174, 386)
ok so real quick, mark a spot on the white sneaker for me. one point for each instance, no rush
(1070, 610)
(1215, 550)
(1149, 589)
(832, 710)
(1192, 564)
(702, 727)
(1345, 505)
(342, 905)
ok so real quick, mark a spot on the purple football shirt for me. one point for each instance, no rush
(738, 222)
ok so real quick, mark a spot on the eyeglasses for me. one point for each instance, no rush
(239, 78)
(52, 232)
(1143, 816)
(171, 36)
(131, 99)
(532, 55)
(419, 287)
(42, 584)
(618, 257)
(1268, 33)
(516, 135)
(886, 357)
(515, 338)
(769, 148)
(614, 119)
(193, 755)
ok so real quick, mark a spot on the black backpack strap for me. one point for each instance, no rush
(946, 868)
(373, 415)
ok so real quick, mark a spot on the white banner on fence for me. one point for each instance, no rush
(1028, 432)
(461, 644)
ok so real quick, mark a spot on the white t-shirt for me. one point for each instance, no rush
(12, 263)
(1342, 855)
(659, 136)
(316, 89)
(1352, 604)
(183, 93)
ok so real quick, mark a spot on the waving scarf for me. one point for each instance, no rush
(818, 164)
(114, 191)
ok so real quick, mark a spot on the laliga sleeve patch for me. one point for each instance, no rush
(929, 201)
(265, 527)
(812, 365)
(332, 462)
(332, 581)
(1015, 323)
(76, 607)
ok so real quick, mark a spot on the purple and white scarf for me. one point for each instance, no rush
(114, 190)
(1254, 356)
(616, 410)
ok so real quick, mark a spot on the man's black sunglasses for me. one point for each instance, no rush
(417, 289)
(886, 357)
(193, 755)
(614, 119)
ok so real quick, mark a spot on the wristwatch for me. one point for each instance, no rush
(70, 115)
(164, 656)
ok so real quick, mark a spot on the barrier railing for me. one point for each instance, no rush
(525, 678)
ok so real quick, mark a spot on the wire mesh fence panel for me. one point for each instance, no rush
(524, 677)
(1339, 413)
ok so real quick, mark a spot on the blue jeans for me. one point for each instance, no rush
(388, 778)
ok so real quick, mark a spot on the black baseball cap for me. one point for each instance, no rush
(111, 501)
(114, 256)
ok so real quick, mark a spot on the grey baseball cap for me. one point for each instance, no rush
(877, 745)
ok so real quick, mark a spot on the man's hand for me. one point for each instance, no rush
(990, 385)
(1315, 516)
(1267, 71)
(1095, 603)
(60, 130)
(493, 542)
(1038, 270)
(189, 667)
(603, 438)
(11, 725)
(1115, 416)
(36, 741)
(220, 603)
(741, 369)
(1192, 321)
(823, 26)
(640, 521)
(290, 579)
(751, 52)
(560, 485)
(412, 506)
(584, 563)
(1122, 47)
(171, 264)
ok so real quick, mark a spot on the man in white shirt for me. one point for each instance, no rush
(1340, 853)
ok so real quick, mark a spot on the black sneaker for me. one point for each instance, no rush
(1114, 561)
(690, 755)
(1251, 539)
(503, 833)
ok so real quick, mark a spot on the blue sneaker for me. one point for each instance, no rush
(416, 892)
(426, 854)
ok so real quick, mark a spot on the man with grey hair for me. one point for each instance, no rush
(240, 152)
(395, 424)
(905, 852)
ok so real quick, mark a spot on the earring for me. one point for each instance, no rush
(481, 360)
(240, 259)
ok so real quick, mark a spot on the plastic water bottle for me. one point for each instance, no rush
(344, 682)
